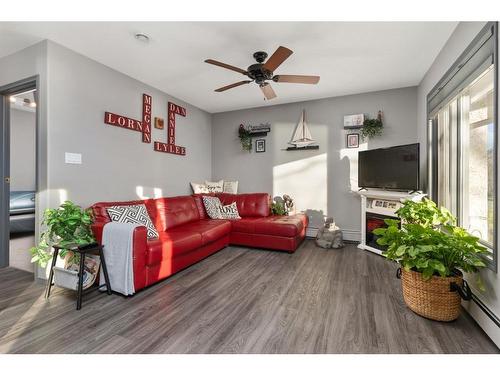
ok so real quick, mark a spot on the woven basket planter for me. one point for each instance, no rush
(438, 298)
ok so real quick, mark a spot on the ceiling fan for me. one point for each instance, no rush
(264, 71)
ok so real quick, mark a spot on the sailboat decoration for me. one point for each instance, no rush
(302, 138)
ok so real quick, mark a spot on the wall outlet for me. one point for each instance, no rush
(71, 158)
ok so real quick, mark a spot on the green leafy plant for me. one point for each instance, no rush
(245, 138)
(372, 127)
(427, 240)
(66, 226)
(282, 205)
(278, 208)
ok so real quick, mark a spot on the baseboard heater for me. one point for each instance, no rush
(490, 314)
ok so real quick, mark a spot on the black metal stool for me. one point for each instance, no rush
(82, 250)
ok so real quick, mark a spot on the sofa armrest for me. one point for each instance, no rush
(97, 229)
(139, 255)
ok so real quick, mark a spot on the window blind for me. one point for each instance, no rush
(467, 68)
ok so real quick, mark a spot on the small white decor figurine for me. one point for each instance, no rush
(330, 236)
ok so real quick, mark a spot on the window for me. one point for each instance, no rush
(462, 141)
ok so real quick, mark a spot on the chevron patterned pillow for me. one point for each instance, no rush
(135, 214)
(212, 206)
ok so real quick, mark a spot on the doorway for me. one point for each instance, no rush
(18, 138)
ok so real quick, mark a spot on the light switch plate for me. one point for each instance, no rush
(72, 158)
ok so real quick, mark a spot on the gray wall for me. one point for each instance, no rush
(458, 42)
(116, 164)
(22, 150)
(323, 180)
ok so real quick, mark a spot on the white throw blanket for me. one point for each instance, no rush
(117, 239)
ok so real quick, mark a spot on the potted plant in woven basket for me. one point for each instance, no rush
(432, 251)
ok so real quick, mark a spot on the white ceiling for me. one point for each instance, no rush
(350, 57)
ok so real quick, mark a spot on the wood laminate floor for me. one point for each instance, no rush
(238, 300)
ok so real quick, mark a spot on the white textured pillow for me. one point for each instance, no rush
(212, 206)
(231, 187)
(230, 211)
(199, 188)
(215, 187)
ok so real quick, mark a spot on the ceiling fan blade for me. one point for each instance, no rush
(296, 79)
(280, 55)
(268, 91)
(227, 66)
(231, 86)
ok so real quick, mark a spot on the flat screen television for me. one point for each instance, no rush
(392, 168)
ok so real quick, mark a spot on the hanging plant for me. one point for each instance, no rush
(372, 127)
(245, 138)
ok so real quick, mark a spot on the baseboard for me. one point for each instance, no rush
(347, 234)
(485, 318)
(351, 235)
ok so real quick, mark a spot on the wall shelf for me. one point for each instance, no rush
(302, 148)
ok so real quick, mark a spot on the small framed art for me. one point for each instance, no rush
(159, 123)
(260, 145)
(352, 140)
(354, 121)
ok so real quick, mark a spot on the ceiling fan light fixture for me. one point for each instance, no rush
(262, 72)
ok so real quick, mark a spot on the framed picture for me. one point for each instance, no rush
(354, 121)
(159, 123)
(260, 145)
(352, 140)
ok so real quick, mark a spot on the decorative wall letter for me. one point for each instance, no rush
(143, 126)
(146, 118)
(170, 147)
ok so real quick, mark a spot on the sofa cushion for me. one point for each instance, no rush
(282, 226)
(244, 225)
(171, 244)
(210, 230)
(249, 205)
(175, 211)
(198, 199)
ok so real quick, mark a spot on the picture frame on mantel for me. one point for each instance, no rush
(354, 121)
(352, 140)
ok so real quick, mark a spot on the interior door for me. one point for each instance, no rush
(5, 94)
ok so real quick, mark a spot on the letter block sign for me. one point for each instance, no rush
(143, 126)
(170, 147)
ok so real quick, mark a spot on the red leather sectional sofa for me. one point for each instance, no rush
(187, 234)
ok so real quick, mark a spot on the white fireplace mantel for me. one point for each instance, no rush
(368, 196)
